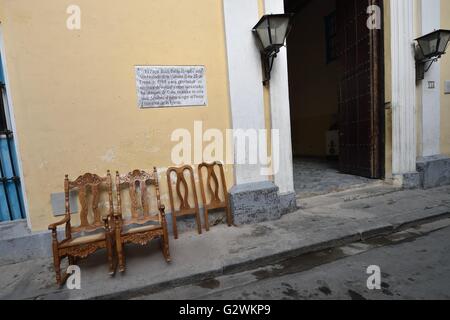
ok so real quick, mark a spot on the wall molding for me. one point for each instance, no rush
(404, 139)
(12, 122)
(280, 111)
(245, 78)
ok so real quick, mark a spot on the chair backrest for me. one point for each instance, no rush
(89, 186)
(138, 182)
(182, 190)
(213, 185)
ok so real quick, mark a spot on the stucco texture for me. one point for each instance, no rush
(74, 93)
(445, 76)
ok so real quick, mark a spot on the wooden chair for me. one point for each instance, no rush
(183, 197)
(144, 232)
(76, 244)
(213, 185)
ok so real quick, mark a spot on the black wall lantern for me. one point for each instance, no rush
(429, 50)
(272, 31)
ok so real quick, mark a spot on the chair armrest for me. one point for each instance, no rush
(162, 209)
(106, 220)
(117, 215)
(53, 226)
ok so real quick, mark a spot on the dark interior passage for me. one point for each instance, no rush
(333, 118)
(314, 80)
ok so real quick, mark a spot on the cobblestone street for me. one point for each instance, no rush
(314, 177)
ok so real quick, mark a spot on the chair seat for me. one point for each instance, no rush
(142, 229)
(83, 240)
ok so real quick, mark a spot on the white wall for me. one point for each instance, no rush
(245, 76)
(280, 110)
(430, 109)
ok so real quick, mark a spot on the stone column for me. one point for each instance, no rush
(254, 198)
(404, 140)
(245, 74)
(281, 117)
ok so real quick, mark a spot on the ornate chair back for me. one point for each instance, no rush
(89, 187)
(216, 190)
(138, 183)
(183, 193)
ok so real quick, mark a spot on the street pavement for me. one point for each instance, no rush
(322, 223)
(413, 264)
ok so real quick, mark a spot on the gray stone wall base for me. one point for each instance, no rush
(434, 171)
(32, 246)
(258, 202)
(13, 229)
(18, 243)
(288, 203)
(251, 203)
(408, 180)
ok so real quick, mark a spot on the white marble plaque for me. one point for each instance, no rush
(170, 86)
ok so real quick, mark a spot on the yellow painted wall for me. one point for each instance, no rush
(313, 82)
(74, 92)
(445, 75)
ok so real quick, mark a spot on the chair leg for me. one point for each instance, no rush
(229, 217)
(165, 241)
(110, 252)
(174, 225)
(119, 248)
(57, 266)
(120, 256)
(165, 248)
(199, 224)
(205, 212)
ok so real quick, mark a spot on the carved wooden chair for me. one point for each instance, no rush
(182, 189)
(213, 187)
(142, 226)
(94, 232)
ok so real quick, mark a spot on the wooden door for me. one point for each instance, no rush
(360, 91)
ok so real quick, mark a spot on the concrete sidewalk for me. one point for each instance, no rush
(322, 222)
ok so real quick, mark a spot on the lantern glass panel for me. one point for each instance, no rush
(272, 31)
(429, 44)
(445, 37)
(263, 34)
(279, 27)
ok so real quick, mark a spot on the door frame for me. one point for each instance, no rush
(381, 119)
(382, 92)
(12, 122)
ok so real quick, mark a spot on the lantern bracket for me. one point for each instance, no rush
(271, 32)
(422, 68)
(268, 61)
(429, 49)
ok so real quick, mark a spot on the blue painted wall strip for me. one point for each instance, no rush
(8, 189)
(2, 77)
